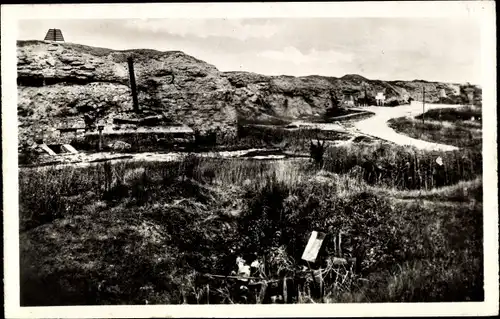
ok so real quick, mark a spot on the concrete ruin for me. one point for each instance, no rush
(350, 97)
(442, 93)
(55, 149)
(61, 83)
(380, 98)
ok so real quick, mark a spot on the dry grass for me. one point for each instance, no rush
(296, 140)
(399, 167)
(134, 232)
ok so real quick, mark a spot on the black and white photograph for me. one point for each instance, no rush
(181, 155)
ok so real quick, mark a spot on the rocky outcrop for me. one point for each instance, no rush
(61, 83)
(304, 96)
(285, 96)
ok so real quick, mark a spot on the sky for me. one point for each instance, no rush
(433, 49)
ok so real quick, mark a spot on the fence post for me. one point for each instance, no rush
(100, 128)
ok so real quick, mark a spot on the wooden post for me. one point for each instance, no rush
(285, 291)
(132, 84)
(340, 247)
(100, 128)
(423, 104)
(208, 294)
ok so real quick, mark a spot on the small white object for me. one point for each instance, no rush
(255, 264)
(439, 161)
(313, 246)
(240, 260)
(244, 271)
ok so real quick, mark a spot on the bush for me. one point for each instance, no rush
(399, 167)
(459, 131)
(392, 103)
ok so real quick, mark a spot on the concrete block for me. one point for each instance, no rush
(69, 149)
(47, 149)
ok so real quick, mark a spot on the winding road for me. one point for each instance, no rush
(377, 125)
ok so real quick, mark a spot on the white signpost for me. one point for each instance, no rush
(313, 246)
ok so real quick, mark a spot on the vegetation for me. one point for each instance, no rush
(403, 168)
(460, 126)
(401, 225)
(294, 140)
(135, 233)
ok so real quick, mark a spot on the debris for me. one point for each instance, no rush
(243, 269)
(243, 288)
(339, 261)
(119, 146)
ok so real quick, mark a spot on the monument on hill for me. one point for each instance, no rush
(54, 35)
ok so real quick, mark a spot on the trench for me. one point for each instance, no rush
(39, 81)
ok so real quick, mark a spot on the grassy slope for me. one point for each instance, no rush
(448, 126)
(147, 235)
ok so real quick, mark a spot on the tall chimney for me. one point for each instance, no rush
(132, 84)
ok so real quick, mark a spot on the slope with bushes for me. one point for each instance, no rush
(152, 233)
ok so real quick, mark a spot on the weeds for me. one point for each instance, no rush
(403, 168)
(148, 232)
(295, 140)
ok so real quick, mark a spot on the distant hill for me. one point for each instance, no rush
(58, 83)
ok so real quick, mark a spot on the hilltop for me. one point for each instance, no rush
(58, 83)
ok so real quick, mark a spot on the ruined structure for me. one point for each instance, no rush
(64, 88)
(442, 93)
(380, 98)
(350, 97)
(469, 91)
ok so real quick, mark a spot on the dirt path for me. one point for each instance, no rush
(377, 125)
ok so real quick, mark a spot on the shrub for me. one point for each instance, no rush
(399, 167)
(393, 103)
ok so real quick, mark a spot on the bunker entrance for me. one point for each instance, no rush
(56, 148)
(62, 149)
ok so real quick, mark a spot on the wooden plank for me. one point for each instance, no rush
(313, 246)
